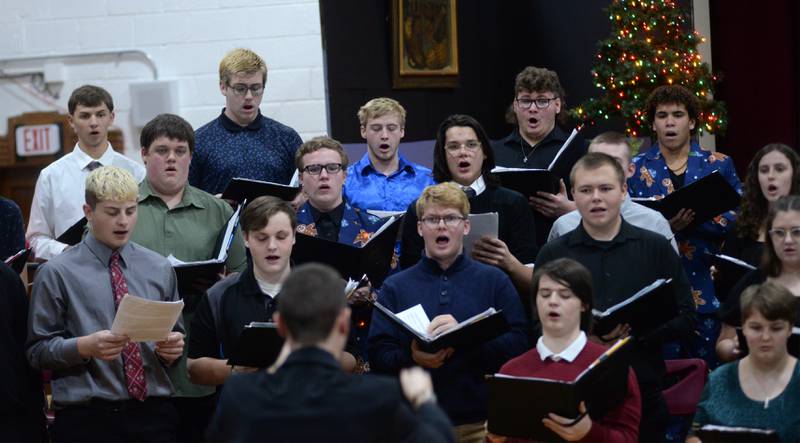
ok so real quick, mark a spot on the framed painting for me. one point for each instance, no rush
(424, 44)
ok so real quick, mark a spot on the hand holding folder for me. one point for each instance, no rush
(475, 330)
(517, 405)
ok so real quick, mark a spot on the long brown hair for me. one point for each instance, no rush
(754, 205)
(770, 263)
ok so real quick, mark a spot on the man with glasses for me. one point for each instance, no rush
(383, 179)
(321, 165)
(241, 142)
(538, 101)
(450, 287)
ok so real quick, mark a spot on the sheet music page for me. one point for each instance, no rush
(480, 225)
(563, 147)
(229, 233)
(416, 318)
(146, 320)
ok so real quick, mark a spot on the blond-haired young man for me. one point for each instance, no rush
(241, 142)
(383, 179)
(450, 287)
(105, 387)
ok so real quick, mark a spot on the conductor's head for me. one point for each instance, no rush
(312, 308)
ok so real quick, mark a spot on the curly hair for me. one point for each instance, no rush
(754, 205)
(673, 94)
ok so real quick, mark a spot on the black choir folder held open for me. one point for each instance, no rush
(529, 181)
(708, 197)
(517, 405)
(352, 262)
(470, 332)
(197, 276)
(240, 189)
(258, 346)
(74, 234)
(728, 434)
(18, 260)
(644, 311)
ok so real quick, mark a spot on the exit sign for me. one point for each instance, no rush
(33, 140)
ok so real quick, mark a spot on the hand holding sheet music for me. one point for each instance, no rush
(141, 319)
(472, 331)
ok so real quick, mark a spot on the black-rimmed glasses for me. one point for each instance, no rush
(541, 103)
(332, 168)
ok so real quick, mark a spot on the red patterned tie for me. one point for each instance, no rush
(131, 355)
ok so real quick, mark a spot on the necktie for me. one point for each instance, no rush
(325, 228)
(131, 354)
(469, 191)
(93, 165)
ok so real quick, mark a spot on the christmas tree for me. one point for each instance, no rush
(649, 46)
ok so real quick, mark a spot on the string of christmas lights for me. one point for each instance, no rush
(649, 46)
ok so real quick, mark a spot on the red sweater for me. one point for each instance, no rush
(619, 425)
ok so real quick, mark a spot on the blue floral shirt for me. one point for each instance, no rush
(652, 179)
(366, 188)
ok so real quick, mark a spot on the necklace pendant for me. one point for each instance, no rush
(524, 159)
(766, 403)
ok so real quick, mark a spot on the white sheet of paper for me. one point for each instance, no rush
(146, 320)
(480, 225)
(416, 317)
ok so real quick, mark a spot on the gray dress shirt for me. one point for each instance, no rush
(72, 297)
(638, 215)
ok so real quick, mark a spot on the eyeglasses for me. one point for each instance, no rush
(450, 221)
(241, 90)
(332, 168)
(780, 233)
(541, 103)
(453, 148)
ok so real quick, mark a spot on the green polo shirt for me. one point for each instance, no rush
(189, 231)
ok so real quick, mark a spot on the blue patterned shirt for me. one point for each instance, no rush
(366, 188)
(263, 150)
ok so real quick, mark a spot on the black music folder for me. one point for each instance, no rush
(18, 260)
(352, 262)
(74, 234)
(470, 332)
(529, 181)
(708, 197)
(517, 405)
(198, 276)
(729, 271)
(727, 434)
(258, 346)
(792, 345)
(648, 309)
(240, 189)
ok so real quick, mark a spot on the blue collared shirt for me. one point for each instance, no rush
(366, 188)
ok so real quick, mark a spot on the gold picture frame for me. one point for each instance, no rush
(424, 44)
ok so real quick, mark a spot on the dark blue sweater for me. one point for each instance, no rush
(466, 288)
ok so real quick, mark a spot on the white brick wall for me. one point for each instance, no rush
(185, 38)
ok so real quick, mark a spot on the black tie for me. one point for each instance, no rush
(93, 165)
(326, 228)
(470, 192)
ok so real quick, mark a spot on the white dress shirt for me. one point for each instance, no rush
(569, 353)
(59, 197)
(479, 185)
